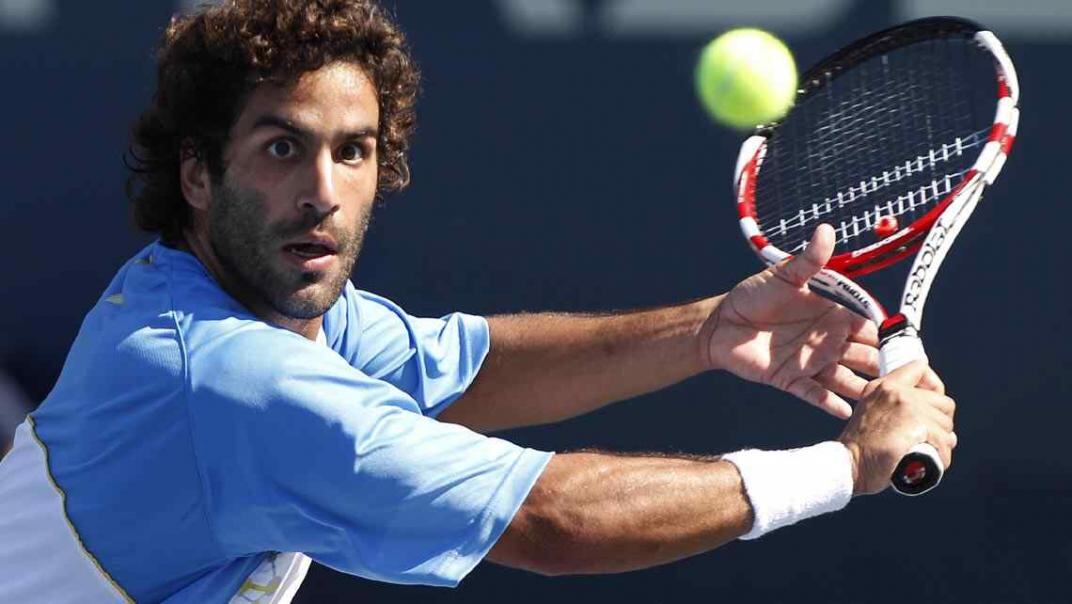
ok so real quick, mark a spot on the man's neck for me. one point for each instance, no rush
(198, 246)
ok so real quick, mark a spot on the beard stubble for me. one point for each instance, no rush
(250, 249)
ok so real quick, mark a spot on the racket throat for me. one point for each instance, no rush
(895, 325)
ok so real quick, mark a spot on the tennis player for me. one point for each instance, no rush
(234, 407)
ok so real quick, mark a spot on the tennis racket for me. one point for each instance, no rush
(892, 140)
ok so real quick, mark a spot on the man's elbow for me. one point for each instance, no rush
(541, 541)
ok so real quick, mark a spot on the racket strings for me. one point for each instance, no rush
(886, 139)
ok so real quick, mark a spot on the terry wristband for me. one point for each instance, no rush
(785, 487)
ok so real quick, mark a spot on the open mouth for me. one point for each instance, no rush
(309, 250)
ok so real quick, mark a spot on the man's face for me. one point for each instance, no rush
(288, 219)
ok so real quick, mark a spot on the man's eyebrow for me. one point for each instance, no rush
(364, 132)
(274, 121)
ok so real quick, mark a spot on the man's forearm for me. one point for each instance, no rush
(548, 367)
(603, 513)
(599, 513)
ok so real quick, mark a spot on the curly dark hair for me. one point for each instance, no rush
(208, 64)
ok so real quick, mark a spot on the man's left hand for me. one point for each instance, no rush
(772, 329)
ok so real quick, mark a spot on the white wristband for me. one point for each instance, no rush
(785, 487)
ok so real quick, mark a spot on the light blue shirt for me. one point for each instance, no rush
(192, 441)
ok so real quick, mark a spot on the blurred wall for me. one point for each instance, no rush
(562, 163)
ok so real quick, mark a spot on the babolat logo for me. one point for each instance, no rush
(927, 255)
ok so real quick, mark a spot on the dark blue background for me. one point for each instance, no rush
(576, 172)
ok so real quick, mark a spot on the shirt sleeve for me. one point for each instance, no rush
(431, 360)
(299, 451)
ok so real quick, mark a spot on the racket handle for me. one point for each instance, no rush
(898, 351)
(921, 469)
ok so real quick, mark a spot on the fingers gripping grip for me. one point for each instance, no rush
(921, 468)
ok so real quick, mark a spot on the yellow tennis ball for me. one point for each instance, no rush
(746, 77)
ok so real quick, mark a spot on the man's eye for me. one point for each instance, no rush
(281, 149)
(351, 152)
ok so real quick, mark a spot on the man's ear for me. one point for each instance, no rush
(195, 181)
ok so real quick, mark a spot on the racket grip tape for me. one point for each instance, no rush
(921, 469)
(898, 351)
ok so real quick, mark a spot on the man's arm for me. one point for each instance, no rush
(544, 368)
(594, 513)
(771, 329)
(602, 513)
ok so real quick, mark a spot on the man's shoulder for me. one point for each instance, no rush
(183, 295)
(161, 285)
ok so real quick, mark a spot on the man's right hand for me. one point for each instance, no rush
(897, 412)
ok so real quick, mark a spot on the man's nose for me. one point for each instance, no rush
(321, 194)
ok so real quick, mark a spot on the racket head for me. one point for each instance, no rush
(885, 134)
